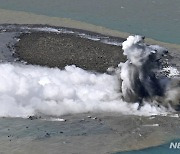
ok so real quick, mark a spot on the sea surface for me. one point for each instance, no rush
(161, 149)
(157, 19)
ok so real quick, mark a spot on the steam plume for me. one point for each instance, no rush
(140, 74)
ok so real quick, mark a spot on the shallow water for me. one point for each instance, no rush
(158, 19)
(164, 148)
(107, 133)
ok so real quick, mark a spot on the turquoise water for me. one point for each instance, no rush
(162, 149)
(158, 19)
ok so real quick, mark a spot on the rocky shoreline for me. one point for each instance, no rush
(59, 50)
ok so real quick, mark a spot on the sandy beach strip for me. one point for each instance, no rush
(20, 17)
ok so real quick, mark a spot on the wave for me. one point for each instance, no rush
(80, 33)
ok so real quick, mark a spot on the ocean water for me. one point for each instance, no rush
(157, 19)
(161, 149)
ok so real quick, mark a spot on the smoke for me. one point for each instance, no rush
(33, 90)
(139, 75)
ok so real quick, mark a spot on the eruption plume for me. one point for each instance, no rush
(140, 79)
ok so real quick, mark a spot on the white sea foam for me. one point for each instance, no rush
(151, 125)
(116, 43)
(90, 37)
(29, 90)
(47, 29)
(102, 39)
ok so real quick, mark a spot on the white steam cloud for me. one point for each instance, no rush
(30, 90)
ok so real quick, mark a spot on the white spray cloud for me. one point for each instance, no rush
(139, 73)
(29, 90)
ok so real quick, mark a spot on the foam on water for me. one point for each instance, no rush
(94, 37)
